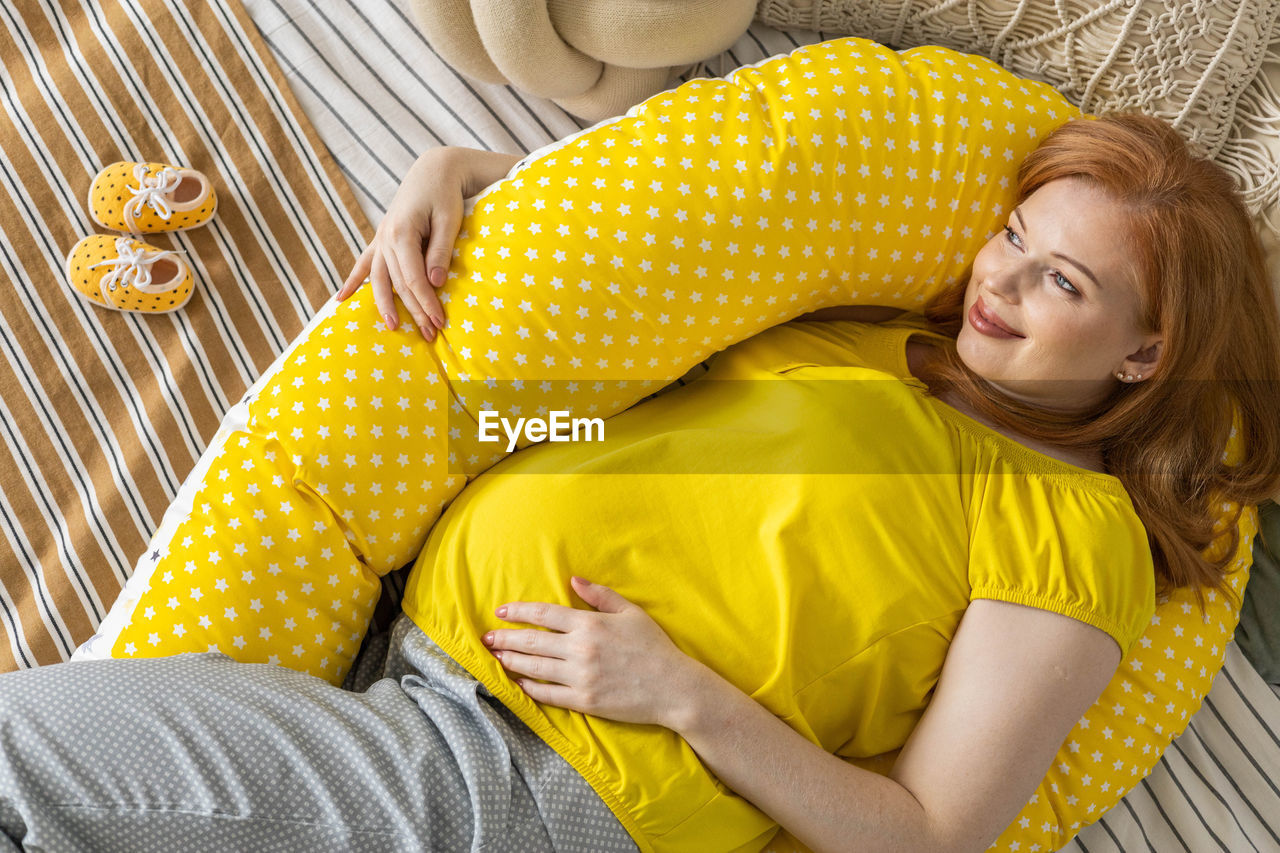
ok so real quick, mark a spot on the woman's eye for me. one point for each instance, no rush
(1059, 279)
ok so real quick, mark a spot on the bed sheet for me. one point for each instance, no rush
(378, 96)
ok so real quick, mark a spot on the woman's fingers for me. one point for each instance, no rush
(411, 305)
(359, 273)
(600, 597)
(383, 296)
(445, 224)
(530, 641)
(431, 305)
(551, 694)
(409, 297)
(413, 278)
(557, 617)
(536, 666)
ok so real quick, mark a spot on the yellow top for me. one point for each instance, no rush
(840, 522)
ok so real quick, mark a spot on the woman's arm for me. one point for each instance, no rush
(479, 169)
(410, 252)
(1015, 681)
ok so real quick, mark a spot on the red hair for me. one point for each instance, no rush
(1206, 291)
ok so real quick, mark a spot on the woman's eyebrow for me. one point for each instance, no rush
(1017, 211)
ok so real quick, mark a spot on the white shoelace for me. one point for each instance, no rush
(150, 192)
(133, 267)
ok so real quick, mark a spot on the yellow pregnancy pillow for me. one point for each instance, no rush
(604, 266)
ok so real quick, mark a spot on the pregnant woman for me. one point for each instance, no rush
(918, 546)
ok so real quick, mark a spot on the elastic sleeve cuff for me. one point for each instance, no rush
(1125, 636)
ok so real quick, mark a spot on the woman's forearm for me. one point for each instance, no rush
(477, 169)
(821, 800)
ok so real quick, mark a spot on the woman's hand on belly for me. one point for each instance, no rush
(616, 662)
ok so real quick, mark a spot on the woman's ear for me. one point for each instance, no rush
(1144, 360)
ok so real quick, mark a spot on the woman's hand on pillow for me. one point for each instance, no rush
(607, 663)
(410, 252)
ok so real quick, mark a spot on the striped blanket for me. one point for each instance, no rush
(102, 414)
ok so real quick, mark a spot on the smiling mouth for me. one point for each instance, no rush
(989, 324)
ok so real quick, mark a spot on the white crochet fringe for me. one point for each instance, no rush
(1255, 161)
(1198, 63)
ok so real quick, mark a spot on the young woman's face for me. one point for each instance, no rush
(1052, 311)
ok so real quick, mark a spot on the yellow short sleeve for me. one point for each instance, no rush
(1071, 544)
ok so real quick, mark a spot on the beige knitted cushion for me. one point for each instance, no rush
(595, 59)
(1188, 61)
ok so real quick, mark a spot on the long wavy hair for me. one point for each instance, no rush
(1206, 290)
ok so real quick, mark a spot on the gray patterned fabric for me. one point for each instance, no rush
(198, 752)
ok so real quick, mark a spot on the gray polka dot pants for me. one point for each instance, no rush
(197, 753)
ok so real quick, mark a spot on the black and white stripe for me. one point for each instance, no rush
(1215, 788)
(379, 95)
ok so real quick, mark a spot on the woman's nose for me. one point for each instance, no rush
(1007, 280)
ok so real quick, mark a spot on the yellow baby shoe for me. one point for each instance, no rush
(128, 275)
(146, 198)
